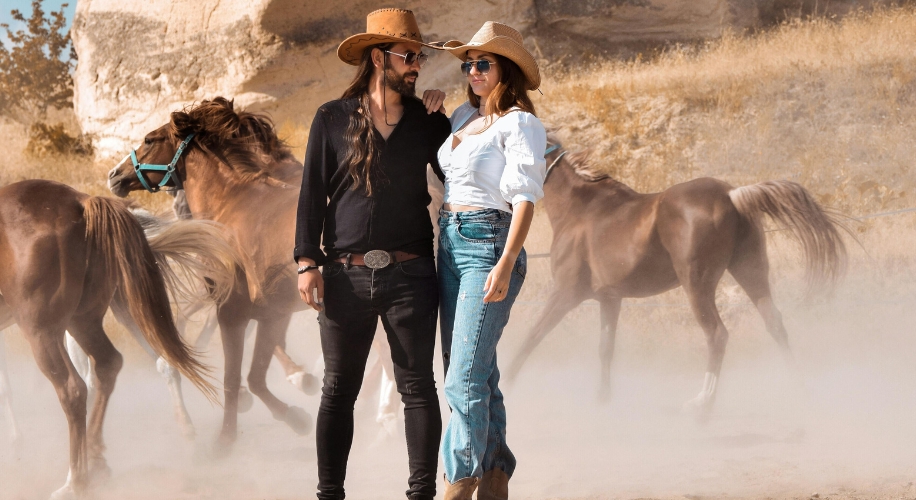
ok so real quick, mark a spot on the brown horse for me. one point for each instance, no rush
(64, 255)
(230, 175)
(611, 243)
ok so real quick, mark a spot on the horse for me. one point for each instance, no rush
(611, 242)
(226, 176)
(66, 254)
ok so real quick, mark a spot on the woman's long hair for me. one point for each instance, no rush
(509, 92)
(363, 150)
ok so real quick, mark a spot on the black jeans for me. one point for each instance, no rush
(406, 297)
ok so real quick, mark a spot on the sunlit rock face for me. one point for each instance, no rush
(138, 61)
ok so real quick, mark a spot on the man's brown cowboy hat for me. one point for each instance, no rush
(382, 26)
(498, 38)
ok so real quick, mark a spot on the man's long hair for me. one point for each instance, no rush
(509, 92)
(363, 150)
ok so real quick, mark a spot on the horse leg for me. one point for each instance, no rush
(703, 302)
(5, 395)
(47, 345)
(168, 372)
(750, 268)
(233, 318)
(610, 313)
(83, 366)
(87, 331)
(206, 332)
(268, 336)
(295, 373)
(560, 302)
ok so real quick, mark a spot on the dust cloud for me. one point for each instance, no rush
(841, 427)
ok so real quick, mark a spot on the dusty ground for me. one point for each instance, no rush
(845, 431)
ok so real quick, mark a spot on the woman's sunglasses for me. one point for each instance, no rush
(412, 57)
(483, 66)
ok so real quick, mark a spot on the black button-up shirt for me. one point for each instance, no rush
(395, 216)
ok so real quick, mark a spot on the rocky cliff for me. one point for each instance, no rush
(279, 56)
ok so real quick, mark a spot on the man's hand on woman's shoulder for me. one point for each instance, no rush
(434, 100)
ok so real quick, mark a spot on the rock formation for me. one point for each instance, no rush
(279, 56)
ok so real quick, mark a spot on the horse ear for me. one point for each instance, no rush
(184, 124)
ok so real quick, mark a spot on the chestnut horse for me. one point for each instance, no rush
(65, 254)
(611, 242)
(227, 177)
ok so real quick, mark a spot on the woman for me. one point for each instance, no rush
(494, 168)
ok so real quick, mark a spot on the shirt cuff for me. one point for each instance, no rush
(520, 197)
(309, 252)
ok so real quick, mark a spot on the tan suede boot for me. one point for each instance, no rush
(463, 489)
(494, 485)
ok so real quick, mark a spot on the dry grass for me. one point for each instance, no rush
(828, 104)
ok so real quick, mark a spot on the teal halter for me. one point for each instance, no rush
(169, 169)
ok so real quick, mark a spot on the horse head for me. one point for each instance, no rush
(244, 142)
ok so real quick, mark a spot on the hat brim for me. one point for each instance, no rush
(505, 47)
(351, 50)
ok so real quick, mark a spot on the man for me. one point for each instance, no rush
(364, 188)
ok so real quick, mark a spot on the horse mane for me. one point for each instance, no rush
(245, 141)
(582, 164)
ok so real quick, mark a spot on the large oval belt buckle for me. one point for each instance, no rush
(377, 259)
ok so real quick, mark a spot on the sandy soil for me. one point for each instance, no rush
(844, 431)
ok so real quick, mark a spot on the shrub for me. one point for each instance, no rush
(35, 69)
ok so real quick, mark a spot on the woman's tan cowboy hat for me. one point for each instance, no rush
(503, 40)
(382, 26)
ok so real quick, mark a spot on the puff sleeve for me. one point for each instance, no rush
(525, 141)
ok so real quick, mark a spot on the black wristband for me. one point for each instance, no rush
(305, 269)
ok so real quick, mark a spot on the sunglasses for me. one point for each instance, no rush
(483, 66)
(412, 57)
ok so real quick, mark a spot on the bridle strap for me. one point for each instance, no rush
(555, 161)
(170, 172)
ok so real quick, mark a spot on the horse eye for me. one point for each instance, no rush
(147, 141)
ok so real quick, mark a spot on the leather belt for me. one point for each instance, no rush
(375, 259)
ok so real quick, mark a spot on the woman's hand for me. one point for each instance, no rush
(433, 99)
(497, 284)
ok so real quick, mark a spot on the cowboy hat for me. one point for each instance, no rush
(382, 26)
(498, 38)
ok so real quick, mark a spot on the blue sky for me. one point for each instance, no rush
(25, 6)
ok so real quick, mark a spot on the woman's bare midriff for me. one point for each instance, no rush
(448, 207)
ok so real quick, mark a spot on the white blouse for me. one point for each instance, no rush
(499, 167)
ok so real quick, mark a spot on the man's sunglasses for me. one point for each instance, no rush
(412, 57)
(483, 66)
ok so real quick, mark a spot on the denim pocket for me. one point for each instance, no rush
(331, 269)
(477, 232)
(421, 267)
(521, 267)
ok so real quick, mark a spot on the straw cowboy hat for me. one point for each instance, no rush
(382, 26)
(503, 40)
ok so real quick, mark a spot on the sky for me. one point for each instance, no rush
(25, 6)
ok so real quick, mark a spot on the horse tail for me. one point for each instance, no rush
(195, 258)
(117, 238)
(792, 206)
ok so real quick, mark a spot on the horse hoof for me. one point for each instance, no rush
(99, 471)
(298, 420)
(246, 401)
(699, 407)
(222, 447)
(604, 395)
(187, 432)
(305, 382)
(66, 492)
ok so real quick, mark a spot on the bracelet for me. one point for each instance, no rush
(305, 269)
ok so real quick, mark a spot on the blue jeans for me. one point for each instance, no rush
(470, 245)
